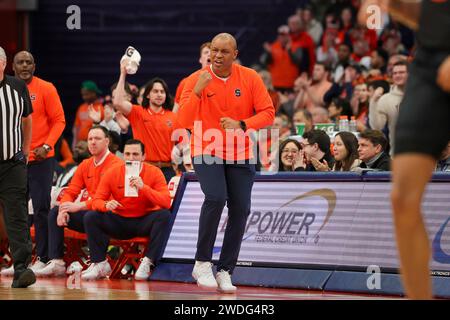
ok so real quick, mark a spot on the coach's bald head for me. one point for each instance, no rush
(223, 54)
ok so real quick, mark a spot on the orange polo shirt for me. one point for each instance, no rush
(48, 115)
(82, 121)
(152, 197)
(154, 130)
(87, 176)
(242, 96)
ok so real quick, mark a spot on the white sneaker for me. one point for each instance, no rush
(144, 270)
(38, 265)
(97, 271)
(224, 281)
(53, 268)
(7, 272)
(202, 272)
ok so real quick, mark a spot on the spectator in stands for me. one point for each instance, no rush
(282, 61)
(372, 144)
(287, 153)
(313, 27)
(316, 153)
(48, 125)
(384, 107)
(344, 55)
(303, 116)
(283, 124)
(391, 41)
(90, 94)
(379, 60)
(392, 61)
(326, 52)
(146, 215)
(152, 123)
(108, 120)
(444, 163)
(372, 86)
(320, 115)
(204, 60)
(312, 91)
(337, 108)
(71, 211)
(301, 39)
(346, 152)
(360, 106)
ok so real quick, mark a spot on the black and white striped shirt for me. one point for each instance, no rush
(15, 103)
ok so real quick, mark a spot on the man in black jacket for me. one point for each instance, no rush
(372, 146)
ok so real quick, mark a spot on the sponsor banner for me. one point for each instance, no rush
(317, 223)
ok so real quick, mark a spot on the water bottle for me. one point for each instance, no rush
(133, 59)
(343, 123)
(352, 125)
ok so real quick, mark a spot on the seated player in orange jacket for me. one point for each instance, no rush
(122, 216)
(70, 213)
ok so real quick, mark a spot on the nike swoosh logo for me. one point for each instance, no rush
(209, 95)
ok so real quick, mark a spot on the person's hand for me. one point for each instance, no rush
(319, 166)
(95, 116)
(377, 94)
(283, 98)
(70, 207)
(443, 75)
(188, 167)
(136, 182)
(267, 47)
(62, 220)
(360, 126)
(203, 80)
(40, 153)
(112, 205)
(228, 123)
(299, 161)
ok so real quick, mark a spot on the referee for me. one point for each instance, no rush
(15, 110)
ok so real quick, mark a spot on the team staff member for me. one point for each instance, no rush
(70, 213)
(152, 123)
(15, 138)
(48, 125)
(128, 217)
(223, 96)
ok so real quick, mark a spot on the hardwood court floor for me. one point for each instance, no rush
(62, 289)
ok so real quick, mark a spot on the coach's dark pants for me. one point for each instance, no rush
(99, 226)
(13, 189)
(168, 173)
(40, 180)
(56, 233)
(230, 183)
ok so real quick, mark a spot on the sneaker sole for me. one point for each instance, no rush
(230, 291)
(26, 280)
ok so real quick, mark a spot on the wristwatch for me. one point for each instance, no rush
(47, 147)
(243, 125)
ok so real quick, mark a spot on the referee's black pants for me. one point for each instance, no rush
(13, 198)
(40, 180)
(220, 183)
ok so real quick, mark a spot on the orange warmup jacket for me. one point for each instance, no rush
(87, 176)
(242, 97)
(47, 117)
(152, 197)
